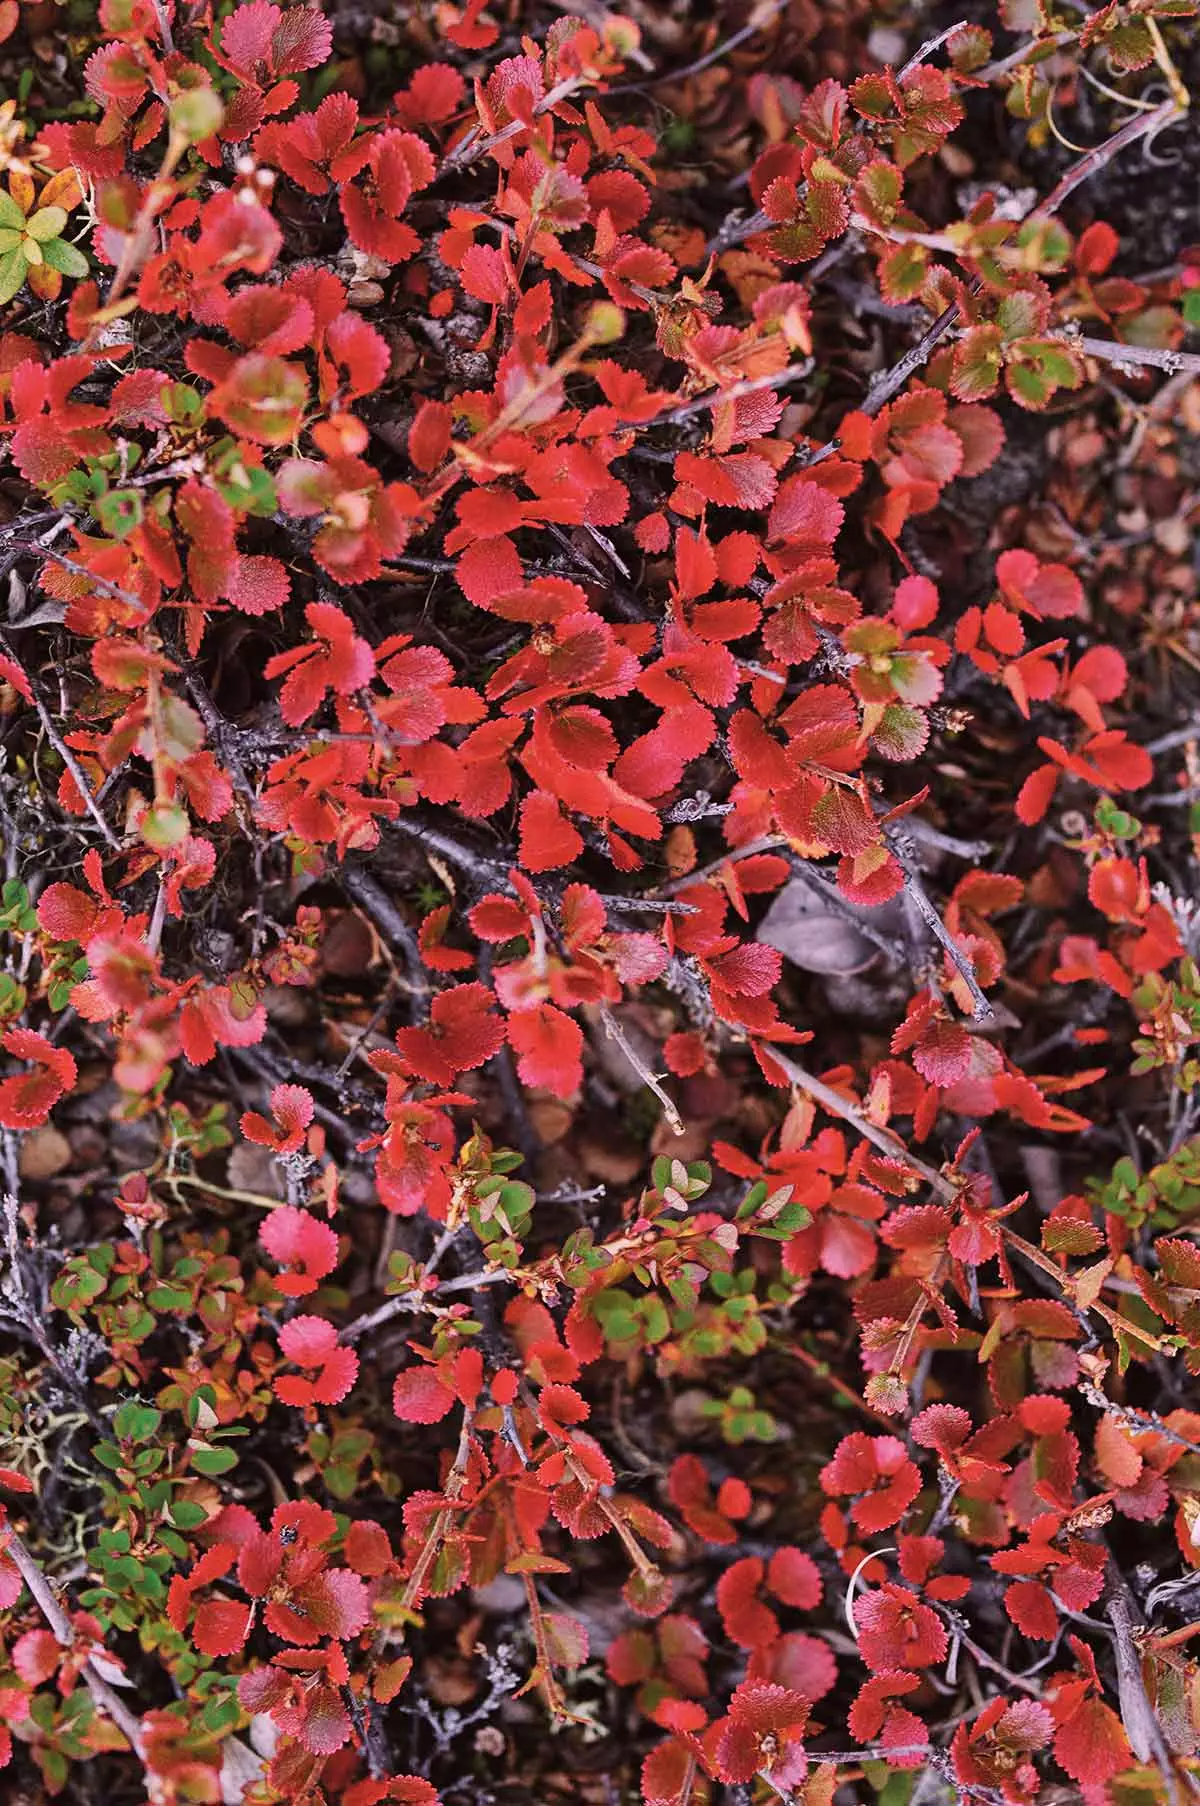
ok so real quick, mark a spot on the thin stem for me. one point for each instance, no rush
(715, 398)
(962, 962)
(1100, 154)
(849, 1112)
(1006, 64)
(761, 17)
(929, 46)
(68, 758)
(411, 1301)
(374, 901)
(164, 26)
(472, 148)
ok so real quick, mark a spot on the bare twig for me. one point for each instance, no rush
(471, 148)
(1142, 1726)
(615, 1032)
(1137, 1421)
(1112, 351)
(1033, 47)
(929, 46)
(41, 550)
(409, 1301)
(715, 398)
(374, 900)
(1095, 159)
(892, 381)
(164, 26)
(962, 962)
(489, 872)
(760, 18)
(849, 1112)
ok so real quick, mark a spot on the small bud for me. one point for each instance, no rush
(196, 115)
(605, 323)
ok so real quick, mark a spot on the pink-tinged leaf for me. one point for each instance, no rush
(419, 1396)
(298, 1240)
(66, 914)
(308, 1340)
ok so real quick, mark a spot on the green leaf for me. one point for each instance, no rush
(168, 1298)
(12, 273)
(10, 213)
(136, 1423)
(66, 258)
(213, 1461)
(187, 1515)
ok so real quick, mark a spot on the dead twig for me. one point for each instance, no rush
(615, 1032)
(375, 902)
(962, 962)
(1100, 154)
(848, 1111)
(760, 18)
(1142, 1726)
(715, 398)
(1132, 357)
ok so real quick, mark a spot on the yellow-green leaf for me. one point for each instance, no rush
(46, 223)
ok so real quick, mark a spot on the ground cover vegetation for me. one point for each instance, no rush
(600, 796)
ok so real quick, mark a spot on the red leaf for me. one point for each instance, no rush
(463, 1033)
(548, 839)
(941, 1427)
(548, 1046)
(806, 516)
(298, 1240)
(1032, 1609)
(794, 1578)
(221, 1627)
(1092, 1746)
(25, 1101)
(749, 970)
(748, 1622)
